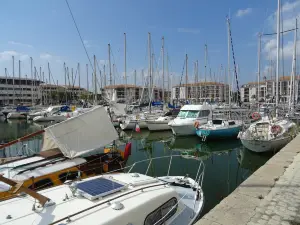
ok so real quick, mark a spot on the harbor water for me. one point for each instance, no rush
(227, 163)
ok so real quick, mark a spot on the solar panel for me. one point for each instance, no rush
(99, 187)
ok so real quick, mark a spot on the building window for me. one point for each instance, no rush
(163, 213)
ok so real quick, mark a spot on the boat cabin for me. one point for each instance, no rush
(194, 111)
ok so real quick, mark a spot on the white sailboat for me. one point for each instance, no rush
(161, 123)
(270, 134)
(118, 198)
(62, 113)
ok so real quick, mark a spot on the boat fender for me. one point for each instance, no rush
(196, 124)
(276, 129)
(127, 151)
(255, 116)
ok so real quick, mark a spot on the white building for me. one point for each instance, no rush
(133, 93)
(202, 91)
(18, 91)
(249, 91)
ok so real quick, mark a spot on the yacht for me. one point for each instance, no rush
(110, 199)
(184, 123)
(49, 110)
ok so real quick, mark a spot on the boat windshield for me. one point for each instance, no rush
(188, 114)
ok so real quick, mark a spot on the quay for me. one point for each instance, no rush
(270, 196)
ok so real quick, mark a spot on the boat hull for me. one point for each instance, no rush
(226, 132)
(265, 146)
(130, 125)
(158, 125)
(17, 115)
(49, 118)
(184, 130)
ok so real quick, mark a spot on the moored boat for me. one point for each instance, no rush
(124, 198)
(71, 147)
(219, 129)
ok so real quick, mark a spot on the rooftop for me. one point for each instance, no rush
(201, 84)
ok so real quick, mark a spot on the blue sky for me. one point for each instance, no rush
(44, 30)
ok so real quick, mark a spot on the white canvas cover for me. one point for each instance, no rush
(81, 134)
(118, 108)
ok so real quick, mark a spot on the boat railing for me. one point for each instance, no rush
(200, 170)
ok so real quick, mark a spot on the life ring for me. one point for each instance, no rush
(196, 124)
(255, 116)
(276, 129)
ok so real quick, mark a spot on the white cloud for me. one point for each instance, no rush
(290, 6)
(243, 12)
(45, 56)
(188, 30)
(7, 55)
(20, 44)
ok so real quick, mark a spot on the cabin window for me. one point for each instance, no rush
(41, 184)
(163, 213)
(204, 113)
(72, 175)
(192, 114)
(182, 113)
(217, 122)
(231, 123)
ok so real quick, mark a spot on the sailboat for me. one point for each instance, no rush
(270, 134)
(70, 150)
(109, 199)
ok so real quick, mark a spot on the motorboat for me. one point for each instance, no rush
(219, 129)
(268, 134)
(161, 123)
(21, 112)
(74, 146)
(60, 114)
(49, 110)
(183, 124)
(110, 199)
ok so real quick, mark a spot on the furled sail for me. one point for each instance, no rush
(81, 134)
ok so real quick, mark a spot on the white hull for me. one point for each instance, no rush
(265, 146)
(130, 125)
(158, 125)
(184, 130)
(49, 118)
(17, 115)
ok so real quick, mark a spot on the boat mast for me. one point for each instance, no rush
(20, 83)
(95, 82)
(258, 70)
(13, 59)
(31, 80)
(50, 97)
(125, 69)
(65, 82)
(228, 58)
(197, 86)
(149, 70)
(292, 82)
(205, 67)
(110, 75)
(87, 77)
(104, 76)
(186, 77)
(7, 96)
(134, 93)
(168, 75)
(277, 58)
(78, 69)
(163, 68)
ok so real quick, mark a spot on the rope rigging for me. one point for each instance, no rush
(235, 71)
